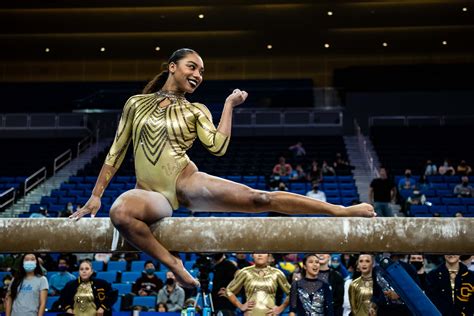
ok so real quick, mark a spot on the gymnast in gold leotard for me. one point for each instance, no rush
(162, 126)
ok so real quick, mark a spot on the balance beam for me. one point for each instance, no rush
(248, 234)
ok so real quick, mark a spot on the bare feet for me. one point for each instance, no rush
(183, 277)
(359, 210)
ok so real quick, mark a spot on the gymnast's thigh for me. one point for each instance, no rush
(206, 193)
(144, 205)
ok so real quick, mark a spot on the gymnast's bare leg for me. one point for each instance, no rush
(132, 214)
(202, 192)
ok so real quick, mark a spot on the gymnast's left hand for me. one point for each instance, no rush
(91, 207)
(236, 97)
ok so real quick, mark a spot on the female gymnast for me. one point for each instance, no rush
(163, 126)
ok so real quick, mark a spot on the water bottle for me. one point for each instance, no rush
(191, 311)
(206, 311)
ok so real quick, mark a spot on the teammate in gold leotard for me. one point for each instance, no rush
(162, 125)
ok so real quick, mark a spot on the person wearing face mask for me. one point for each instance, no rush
(315, 193)
(87, 295)
(463, 189)
(310, 295)
(463, 168)
(171, 294)
(418, 261)
(28, 291)
(148, 284)
(446, 169)
(407, 182)
(60, 279)
(451, 287)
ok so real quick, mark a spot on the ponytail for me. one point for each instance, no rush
(156, 83)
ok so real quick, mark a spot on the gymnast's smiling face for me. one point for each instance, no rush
(187, 73)
(260, 259)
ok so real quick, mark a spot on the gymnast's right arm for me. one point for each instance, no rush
(114, 159)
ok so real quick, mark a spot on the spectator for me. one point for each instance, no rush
(335, 264)
(281, 187)
(298, 174)
(171, 294)
(418, 262)
(297, 150)
(6, 281)
(59, 280)
(314, 172)
(327, 170)
(161, 308)
(69, 210)
(316, 194)
(467, 261)
(464, 168)
(360, 289)
(148, 283)
(415, 198)
(87, 296)
(446, 169)
(463, 189)
(381, 193)
(311, 296)
(224, 271)
(341, 165)
(423, 183)
(42, 213)
(335, 281)
(430, 168)
(282, 168)
(242, 261)
(28, 291)
(260, 282)
(407, 182)
(450, 287)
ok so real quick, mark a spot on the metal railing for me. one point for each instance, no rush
(425, 120)
(42, 121)
(61, 160)
(33, 180)
(83, 144)
(8, 197)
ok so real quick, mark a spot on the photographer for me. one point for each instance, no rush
(171, 294)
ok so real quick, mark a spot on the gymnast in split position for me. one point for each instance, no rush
(163, 125)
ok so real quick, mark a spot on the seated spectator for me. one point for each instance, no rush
(281, 187)
(148, 283)
(407, 182)
(415, 198)
(327, 170)
(297, 150)
(298, 174)
(446, 169)
(314, 172)
(458, 214)
(423, 183)
(282, 168)
(171, 294)
(341, 165)
(463, 189)
(42, 213)
(161, 308)
(316, 194)
(464, 168)
(59, 280)
(68, 211)
(430, 168)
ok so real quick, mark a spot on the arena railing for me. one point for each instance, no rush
(83, 144)
(62, 160)
(39, 121)
(364, 148)
(8, 197)
(425, 120)
(33, 180)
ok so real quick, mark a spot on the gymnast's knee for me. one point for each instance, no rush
(120, 214)
(260, 199)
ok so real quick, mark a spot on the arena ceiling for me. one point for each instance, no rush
(134, 29)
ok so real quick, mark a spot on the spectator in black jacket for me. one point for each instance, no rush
(335, 280)
(224, 271)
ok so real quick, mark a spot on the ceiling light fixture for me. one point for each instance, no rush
(269, 46)
(464, 9)
(201, 16)
(384, 44)
(102, 49)
(329, 12)
(157, 48)
(444, 42)
(47, 50)
(326, 45)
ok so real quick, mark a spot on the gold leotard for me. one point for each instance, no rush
(260, 285)
(360, 295)
(161, 136)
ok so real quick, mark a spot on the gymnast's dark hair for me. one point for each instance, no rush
(158, 82)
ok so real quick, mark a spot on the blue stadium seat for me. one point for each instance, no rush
(90, 179)
(123, 179)
(117, 266)
(235, 178)
(345, 179)
(50, 301)
(419, 209)
(452, 179)
(75, 179)
(137, 265)
(433, 179)
(98, 266)
(331, 193)
(451, 201)
(116, 307)
(66, 199)
(117, 186)
(48, 200)
(148, 301)
(329, 179)
(467, 201)
(434, 200)
(334, 200)
(429, 193)
(439, 186)
(57, 192)
(85, 186)
(445, 193)
(161, 275)
(130, 277)
(442, 209)
(67, 186)
(107, 276)
(123, 288)
(57, 207)
(300, 186)
(453, 209)
(349, 193)
(329, 186)
(249, 179)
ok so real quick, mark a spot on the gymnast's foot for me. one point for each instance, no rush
(359, 210)
(183, 277)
